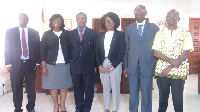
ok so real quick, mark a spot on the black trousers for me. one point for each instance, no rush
(83, 86)
(17, 87)
(177, 87)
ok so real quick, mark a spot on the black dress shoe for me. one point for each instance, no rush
(31, 110)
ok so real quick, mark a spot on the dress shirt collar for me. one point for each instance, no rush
(25, 29)
(143, 23)
(82, 31)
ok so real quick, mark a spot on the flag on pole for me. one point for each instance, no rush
(43, 20)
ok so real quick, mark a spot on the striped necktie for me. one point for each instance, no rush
(140, 31)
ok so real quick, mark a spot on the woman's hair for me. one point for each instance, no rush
(113, 16)
(55, 16)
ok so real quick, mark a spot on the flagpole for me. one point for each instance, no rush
(43, 22)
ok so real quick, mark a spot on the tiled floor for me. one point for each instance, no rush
(45, 104)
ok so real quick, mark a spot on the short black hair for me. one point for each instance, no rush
(140, 6)
(81, 13)
(174, 11)
(113, 16)
(55, 16)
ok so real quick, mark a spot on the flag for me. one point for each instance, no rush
(43, 19)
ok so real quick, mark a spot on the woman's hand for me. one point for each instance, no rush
(102, 69)
(110, 69)
(44, 71)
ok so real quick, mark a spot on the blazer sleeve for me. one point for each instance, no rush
(121, 52)
(95, 42)
(67, 47)
(37, 50)
(7, 50)
(69, 44)
(98, 52)
(43, 47)
(125, 64)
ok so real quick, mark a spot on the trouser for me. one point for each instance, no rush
(83, 85)
(177, 87)
(111, 80)
(136, 80)
(17, 87)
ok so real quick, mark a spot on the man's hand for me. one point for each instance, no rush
(166, 71)
(10, 69)
(175, 62)
(44, 71)
(102, 69)
(37, 67)
(125, 73)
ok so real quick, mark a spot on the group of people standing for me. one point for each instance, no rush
(70, 58)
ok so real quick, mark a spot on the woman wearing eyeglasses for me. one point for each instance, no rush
(110, 49)
(55, 61)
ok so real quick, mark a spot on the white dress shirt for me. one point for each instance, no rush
(60, 58)
(143, 23)
(107, 42)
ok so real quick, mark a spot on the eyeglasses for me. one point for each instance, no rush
(172, 16)
(111, 21)
(57, 20)
(139, 11)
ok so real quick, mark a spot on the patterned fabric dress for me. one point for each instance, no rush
(172, 45)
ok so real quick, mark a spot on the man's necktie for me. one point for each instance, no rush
(140, 31)
(24, 45)
(81, 34)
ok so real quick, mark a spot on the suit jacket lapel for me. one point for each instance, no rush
(135, 31)
(112, 44)
(85, 35)
(102, 42)
(29, 40)
(17, 40)
(76, 34)
(145, 30)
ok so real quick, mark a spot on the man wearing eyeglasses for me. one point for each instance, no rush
(172, 46)
(22, 57)
(82, 41)
(139, 63)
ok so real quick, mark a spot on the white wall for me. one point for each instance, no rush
(157, 9)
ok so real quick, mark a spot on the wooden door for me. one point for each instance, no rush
(96, 25)
(124, 23)
(194, 59)
(127, 21)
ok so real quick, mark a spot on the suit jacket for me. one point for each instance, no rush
(50, 44)
(117, 48)
(82, 54)
(13, 49)
(139, 50)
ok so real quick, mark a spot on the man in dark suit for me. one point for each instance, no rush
(139, 60)
(82, 60)
(22, 59)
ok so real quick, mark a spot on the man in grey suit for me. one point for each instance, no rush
(139, 63)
